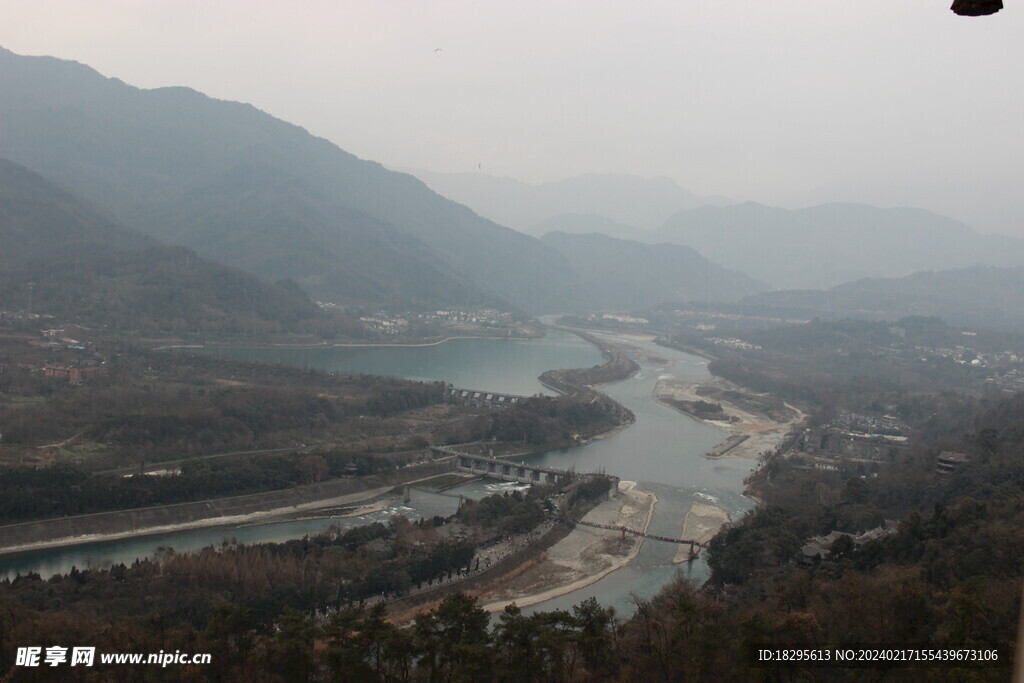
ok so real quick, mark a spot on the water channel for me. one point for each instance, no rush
(662, 450)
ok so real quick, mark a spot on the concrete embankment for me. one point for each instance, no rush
(208, 512)
(401, 610)
(580, 382)
(726, 446)
(618, 366)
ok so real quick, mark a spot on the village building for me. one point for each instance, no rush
(950, 461)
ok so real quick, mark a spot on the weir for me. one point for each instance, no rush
(490, 399)
(522, 473)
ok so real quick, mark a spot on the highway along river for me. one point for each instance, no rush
(663, 450)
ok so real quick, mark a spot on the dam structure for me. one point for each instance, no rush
(490, 399)
(523, 473)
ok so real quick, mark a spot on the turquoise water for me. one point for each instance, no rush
(502, 365)
(663, 451)
(508, 366)
(49, 561)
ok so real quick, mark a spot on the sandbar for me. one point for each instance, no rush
(584, 556)
(762, 432)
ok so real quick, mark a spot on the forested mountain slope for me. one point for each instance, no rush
(824, 246)
(623, 274)
(985, 296)
(254, 191)
(63, 257)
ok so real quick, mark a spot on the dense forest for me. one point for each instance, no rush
(32, 493)
(145, 406)
(919, 366)
(208, 418)
(246, 603)
(854, 372)
(550, 422)
(949, 575)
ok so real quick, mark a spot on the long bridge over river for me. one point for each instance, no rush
(643, 534)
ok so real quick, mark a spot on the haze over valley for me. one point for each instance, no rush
(262, 195)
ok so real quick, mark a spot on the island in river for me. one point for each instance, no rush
(558, 573)
(557, 576)
(757, 423)
(584, 556)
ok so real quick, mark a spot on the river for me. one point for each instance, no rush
(503, 365)
(507, 366)
(662, 450)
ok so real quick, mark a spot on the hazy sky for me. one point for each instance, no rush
(787, 102)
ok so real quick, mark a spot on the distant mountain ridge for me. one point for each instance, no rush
(582, 224)
(815, 247)
(86, 268)
(190, 169)
(983, 296)
(240, 186)
(630, 200)
(617, 274)
(40, 221)
(827, 245)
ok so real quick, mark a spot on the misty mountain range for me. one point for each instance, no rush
(65, 257)
(620, 274)
(815, 247)
(187, 169)
(243, 188)
(827, 245)
(982, 296)
(626, 199)
(592, 223)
